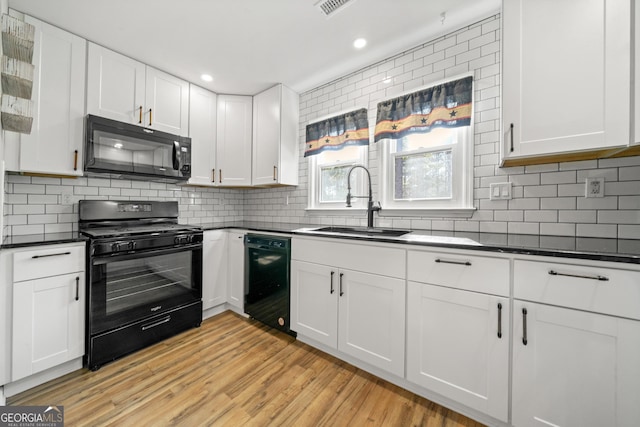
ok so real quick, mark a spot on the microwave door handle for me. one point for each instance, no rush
(176, 149)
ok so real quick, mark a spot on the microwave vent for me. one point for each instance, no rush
(331, 7)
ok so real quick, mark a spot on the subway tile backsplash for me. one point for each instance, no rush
(547, 199)
(35, 205)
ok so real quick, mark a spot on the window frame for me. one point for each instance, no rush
(357, 183)
(461, 204)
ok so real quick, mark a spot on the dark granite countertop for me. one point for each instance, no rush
(41, 239)
(601, 249)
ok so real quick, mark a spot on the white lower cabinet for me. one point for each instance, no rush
(48, 323)
(48, 308)
(214, 268)
(573, 366)
(361, 314)
(458, 346)
(235, 270)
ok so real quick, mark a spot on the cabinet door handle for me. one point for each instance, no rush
(213, 175)
(77, 288)
(524, 326)
(499, 320)
(275, 173)
(140, 117)
(448, 261)
(75, 160)
(150, 116)
(511, 135)
(48, 255)
(331, 287)
(220, 176)
(580, 276)
(341, 292)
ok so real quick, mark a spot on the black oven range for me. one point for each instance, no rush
(144, 276)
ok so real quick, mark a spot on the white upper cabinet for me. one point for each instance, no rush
(636, 21)
(56, 140)
(566, 79)
(233, 146)
(202, 130)
(126, 90)
(275, 137)
(115, 85)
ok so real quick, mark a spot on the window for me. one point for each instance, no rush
(328, 177)
(426, 140)
(428, 170)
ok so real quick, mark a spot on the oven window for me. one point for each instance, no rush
(137, 282)
(131, 288)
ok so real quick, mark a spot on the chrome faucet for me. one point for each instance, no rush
(371, 206)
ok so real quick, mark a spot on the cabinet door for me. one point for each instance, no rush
(575, 369)
(233, 149)
(202, 130)
(458, 346)
(214, 268)
(371, 319)
(566, 84)
(115, 86)
(56, 140)
(167, 103)
(235, 270)
(266, 137)
(314, 305)
(48, 323)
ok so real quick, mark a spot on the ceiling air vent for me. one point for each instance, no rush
(331, 7)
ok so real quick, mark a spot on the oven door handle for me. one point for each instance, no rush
(103, 259)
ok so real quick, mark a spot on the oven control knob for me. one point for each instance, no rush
(180, 240)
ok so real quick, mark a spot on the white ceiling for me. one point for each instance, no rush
(250, 45)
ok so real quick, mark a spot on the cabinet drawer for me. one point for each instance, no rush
(596, 289)
(47, 261)
(469, 272)
(360, 256)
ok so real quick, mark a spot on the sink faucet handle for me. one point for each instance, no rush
(376, 206)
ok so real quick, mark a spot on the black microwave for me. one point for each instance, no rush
(131, 151)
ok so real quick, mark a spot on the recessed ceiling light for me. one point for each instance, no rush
(206, 77)
(359, 43)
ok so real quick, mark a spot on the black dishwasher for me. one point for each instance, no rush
(266, 290)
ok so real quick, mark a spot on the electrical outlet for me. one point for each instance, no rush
(67, 199)
(594, 187)
(500, 191)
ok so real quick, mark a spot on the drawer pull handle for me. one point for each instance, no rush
(579, 276)
(158, 323)
(524, 326)
(447, 261)
(48, 255)
(77, 288)
(331, 287)
(341, 292)
(499, 320)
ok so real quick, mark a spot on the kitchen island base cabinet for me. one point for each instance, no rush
(574, 368)
(458, 346)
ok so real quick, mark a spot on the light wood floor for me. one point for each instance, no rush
(233, 371)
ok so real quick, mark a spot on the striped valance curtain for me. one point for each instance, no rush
(445, 105)
(337, 132)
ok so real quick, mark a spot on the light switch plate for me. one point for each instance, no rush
(500, 191)
(594, 187)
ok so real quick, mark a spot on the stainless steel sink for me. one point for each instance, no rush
(363, 231)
